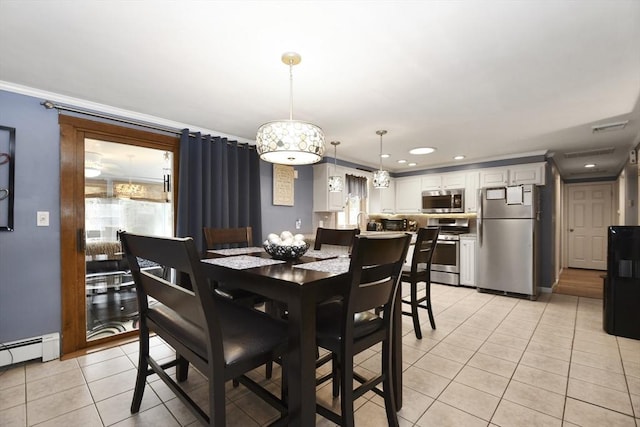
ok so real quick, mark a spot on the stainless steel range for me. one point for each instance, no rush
(445, 265)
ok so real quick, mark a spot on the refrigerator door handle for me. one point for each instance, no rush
(479, 217)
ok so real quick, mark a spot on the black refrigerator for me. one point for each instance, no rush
(621, 302)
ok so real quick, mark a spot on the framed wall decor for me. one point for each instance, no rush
(283, 180)
(7, 174)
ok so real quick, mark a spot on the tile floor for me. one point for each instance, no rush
(493, 361)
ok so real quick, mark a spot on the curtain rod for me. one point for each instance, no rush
(50, 105)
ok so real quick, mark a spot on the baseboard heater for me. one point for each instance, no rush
(45, 347)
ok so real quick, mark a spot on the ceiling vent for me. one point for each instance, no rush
(590, 153)
(609, 127)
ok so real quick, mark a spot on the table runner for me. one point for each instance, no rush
(334, 265)
(236, 251)
(242, 262)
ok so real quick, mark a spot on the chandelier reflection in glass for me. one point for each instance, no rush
(129, 190)
(381, 177)
(336, 183)
(290, 142)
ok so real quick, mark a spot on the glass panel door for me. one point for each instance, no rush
(127, 188)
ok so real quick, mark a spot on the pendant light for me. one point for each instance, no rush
(336, 183)
(290, 142)
(381, 177)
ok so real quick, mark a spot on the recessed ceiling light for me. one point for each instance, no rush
(402, 161)
(460, 157)
(422, 150)
(385, 156)
(412, 164)
(590, 165)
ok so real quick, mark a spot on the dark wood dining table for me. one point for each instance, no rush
(301, 289)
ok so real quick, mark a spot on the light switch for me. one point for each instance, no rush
(43, 218)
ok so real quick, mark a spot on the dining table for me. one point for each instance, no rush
(301, 284)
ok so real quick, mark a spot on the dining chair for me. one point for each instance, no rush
(221, 339)
(349, 326)
(335, 237)
(420, 271)
(239, 237)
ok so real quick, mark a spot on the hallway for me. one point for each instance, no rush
(580, 283)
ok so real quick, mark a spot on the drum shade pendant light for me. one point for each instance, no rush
(336, 183)
(381, 177)
(290, 142)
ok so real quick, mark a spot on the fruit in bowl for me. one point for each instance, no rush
(285, 246)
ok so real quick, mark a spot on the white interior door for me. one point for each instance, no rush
(589, 216)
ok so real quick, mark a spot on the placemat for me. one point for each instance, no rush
(242, 262)
(324, 253)
(236, 251)
(334, 265)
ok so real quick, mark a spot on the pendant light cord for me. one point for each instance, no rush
(291, 89)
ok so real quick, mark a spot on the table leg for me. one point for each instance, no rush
(302, 361)
(396, 350)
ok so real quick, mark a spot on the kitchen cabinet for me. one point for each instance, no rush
(447, 181)
(453, 181)
(408, 195)
(323, 200)
(431, 182)
(471, 192)
(494, 177)
(383, 200)
(533, 173)
(468, 260)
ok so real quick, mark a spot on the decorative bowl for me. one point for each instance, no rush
(285, 252)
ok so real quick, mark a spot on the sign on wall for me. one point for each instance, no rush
(283, 180)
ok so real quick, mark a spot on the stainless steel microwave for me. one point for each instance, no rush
(443, 201)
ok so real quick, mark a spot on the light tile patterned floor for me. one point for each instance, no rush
(493, 361)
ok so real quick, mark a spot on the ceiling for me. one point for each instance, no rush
(488, 80)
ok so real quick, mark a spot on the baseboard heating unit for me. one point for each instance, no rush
(45, 347)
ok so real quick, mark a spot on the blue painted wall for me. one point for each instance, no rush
(276, 219)
(30, 255)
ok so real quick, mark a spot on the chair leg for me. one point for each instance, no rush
(182, 368)
(335, 367)
(429, 310)
(414, 310)
(387, 385)
(268, 370)
(346, 391)
(217, 401)
(143, 367)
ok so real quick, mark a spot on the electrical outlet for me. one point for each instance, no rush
(42, 218)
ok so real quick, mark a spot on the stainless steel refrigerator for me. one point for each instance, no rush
(507, 222)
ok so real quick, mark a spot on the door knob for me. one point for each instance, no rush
(571, 230)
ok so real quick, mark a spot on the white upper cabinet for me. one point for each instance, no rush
(494, 177)
(408, 195)
(383, 200)
(533, 173)
(431, 182)
(323, 200)
(453, 181)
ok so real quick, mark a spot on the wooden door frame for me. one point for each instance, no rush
(565, 216)
(73, 131)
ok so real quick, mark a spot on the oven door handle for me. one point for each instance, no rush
(447, 242)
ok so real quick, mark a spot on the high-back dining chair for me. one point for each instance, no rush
(420, 271)
(239, 237)
(236, 237)
(335, 237)
(222, 340)
(349, 326)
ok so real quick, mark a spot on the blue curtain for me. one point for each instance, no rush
(218, 186)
